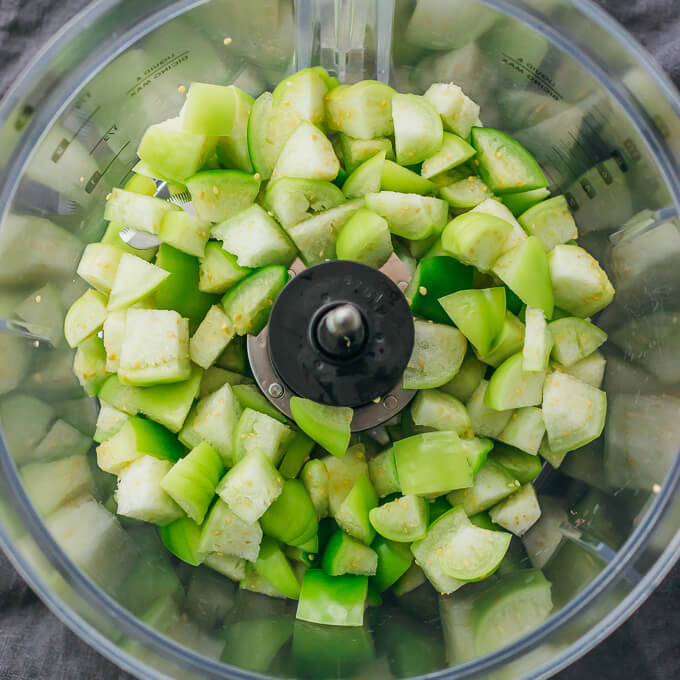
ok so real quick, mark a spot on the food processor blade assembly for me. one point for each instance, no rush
(340, 333)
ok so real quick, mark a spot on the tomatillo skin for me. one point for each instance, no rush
(394, 559)
(296, 455)
(332, 600)
(273, 566)
(432, 463)
(435, 278)
(478, 313)
(328, 426)
(347, 555)
(291, 518)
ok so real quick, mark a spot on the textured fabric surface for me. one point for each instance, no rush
(34, 645)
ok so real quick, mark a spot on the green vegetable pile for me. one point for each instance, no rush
(505, 361)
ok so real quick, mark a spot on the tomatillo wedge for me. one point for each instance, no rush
(432, 463)
(328, 426)
(478, 313)
(332, 600)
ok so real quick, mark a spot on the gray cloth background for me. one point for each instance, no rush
(34, 645)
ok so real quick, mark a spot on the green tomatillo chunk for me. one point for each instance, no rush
(180, 291)
(477, 450)
(428, 549)
(224, 533)
(139, 184)
(574, 339)
(249, 302)
(185, 231)
(293, 200)
(328, 426)
(232, 148)
(395, 177)
(465, 193)
(297, 452)
(440, 411)
(403, 520)
(436, 277)
(218, 269)
(304, 93)
(504, 164)
(291, 518)
(478, 313)
(518, 512)
(273, 566)
(454, 151)
(432, 463)
(346, 555)
(438, 352)
(209, 109)
(255, 238)
(383, 473)
(308, 154)
(269, 127)
(472, 553)
(522, 201)
(315, 478)
(486, 421)
(182, 538)
(394, 559)
(476, 238)
(192, 481)
(573, 411)
(523, 466)
(365, 237)
(251, 486)
(509, 341)
(538, 341)
(366, 178)
(551, 221)
(510, 386)
(135, 439)
(85, 317)
(492, 484)
(463, 384)
(353, 514)
(411, 216)
(332, 600)
(173, 153)
(524, 269)
(257, 430)
(418, 129)
(362, 110)
(213, 420)
(354, 152)
(580, 285)
(524, 430)
(218, 195)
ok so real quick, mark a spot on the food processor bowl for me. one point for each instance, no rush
(562, 78)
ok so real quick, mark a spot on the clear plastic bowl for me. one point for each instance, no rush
(565, 80)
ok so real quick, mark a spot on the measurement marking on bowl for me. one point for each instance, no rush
(98, 174)
(128, 172)
(65, 143)
(158, 70)
(105, 137)
(533, 74)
